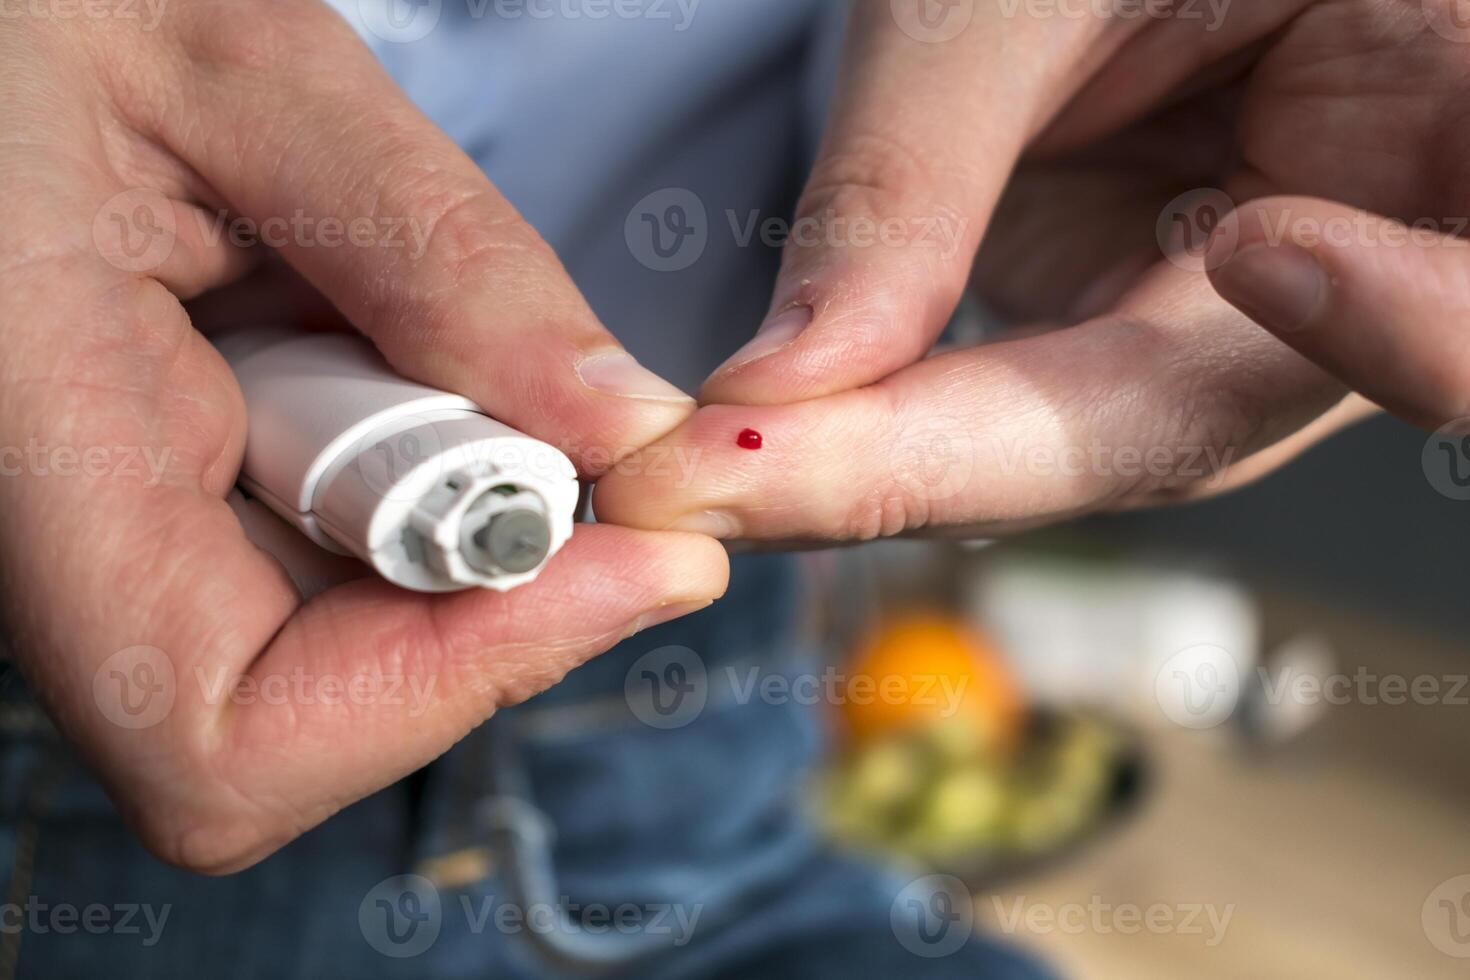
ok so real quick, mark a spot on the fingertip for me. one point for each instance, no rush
(616, 372)
(669, 566)
(704, 559)
(843, 320)
(1373, 300)
(776, 334)
(844, 347)
(1283, 288)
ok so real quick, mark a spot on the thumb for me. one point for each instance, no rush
(310, 142)
(1379, 303)
(930, 118)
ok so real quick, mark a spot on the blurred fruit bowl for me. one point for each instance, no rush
(974, 783)
(938, 795)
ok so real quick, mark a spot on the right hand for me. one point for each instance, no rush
(1061, 135)
(121, 429)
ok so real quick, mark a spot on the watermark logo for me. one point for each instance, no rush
(1100, 917)
(1198, 687)
(147, 464)
(933, 21)
(1186, 230)
(1446, 917)
(668, 230)
(1206, 15)
(942, 694)
(672, 922)
(148, 13)
(306, 231)
(400, 21)
(1206, 465)
(135, 230)
(406, 21)
(667, 688)
(943, 232)
(302, 689)
(1362, 687)
(933, 458)
(40, 918)
(387, 456)
(401, 916)
(933, 916)
(135, 688)
(1446, 460)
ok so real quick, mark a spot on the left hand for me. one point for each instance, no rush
(1163, 388)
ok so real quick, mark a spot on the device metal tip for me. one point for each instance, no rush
(515, 541)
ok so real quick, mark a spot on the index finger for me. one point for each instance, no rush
(289, 117)
(935, 104)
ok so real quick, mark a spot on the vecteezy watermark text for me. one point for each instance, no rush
(96, 918)
(148, 13)
(402, 916)
(130, 462)
(669, 687)
(1100, 917)
(298, 687)
(1209, 14)
(670, 229)
(406, 21)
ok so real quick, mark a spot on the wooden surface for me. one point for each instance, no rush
(1324, 851)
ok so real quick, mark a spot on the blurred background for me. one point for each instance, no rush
(1219, 740)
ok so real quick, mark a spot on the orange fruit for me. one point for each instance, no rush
(930, 670)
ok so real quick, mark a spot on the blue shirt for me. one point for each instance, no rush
(595, 116)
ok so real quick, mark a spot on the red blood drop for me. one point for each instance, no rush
(748, 439)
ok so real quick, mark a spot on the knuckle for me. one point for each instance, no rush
(884, 512)
(469, 234)
(868, 175)
(876, 176)
(237, 43)
(465, 237)
(261, 36)
(1203, 426)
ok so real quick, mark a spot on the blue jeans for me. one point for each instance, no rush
(624, 842)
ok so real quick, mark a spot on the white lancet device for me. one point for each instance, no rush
(420, 484)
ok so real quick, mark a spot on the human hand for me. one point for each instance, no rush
(133, 600)
(1160, 389)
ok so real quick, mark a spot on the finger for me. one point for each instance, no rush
(139, 230)
(1342, 416)
(64, 204)
(1187, 50)
(370, 683)
(133, 562)
(1168, 391)
(297, 127)
(928, 124)
(1380, 304)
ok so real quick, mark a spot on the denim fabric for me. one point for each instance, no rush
(700, 820)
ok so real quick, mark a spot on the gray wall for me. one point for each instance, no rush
(1355, 520)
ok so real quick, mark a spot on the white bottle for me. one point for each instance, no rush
(419, 483)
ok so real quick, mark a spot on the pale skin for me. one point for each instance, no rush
(273, 107)
(268, 108)
(1060, 141)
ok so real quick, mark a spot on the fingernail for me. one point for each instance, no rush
(711, 523)
(774, 334)
(665, 613)
(1281, 287)
(617, 373)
